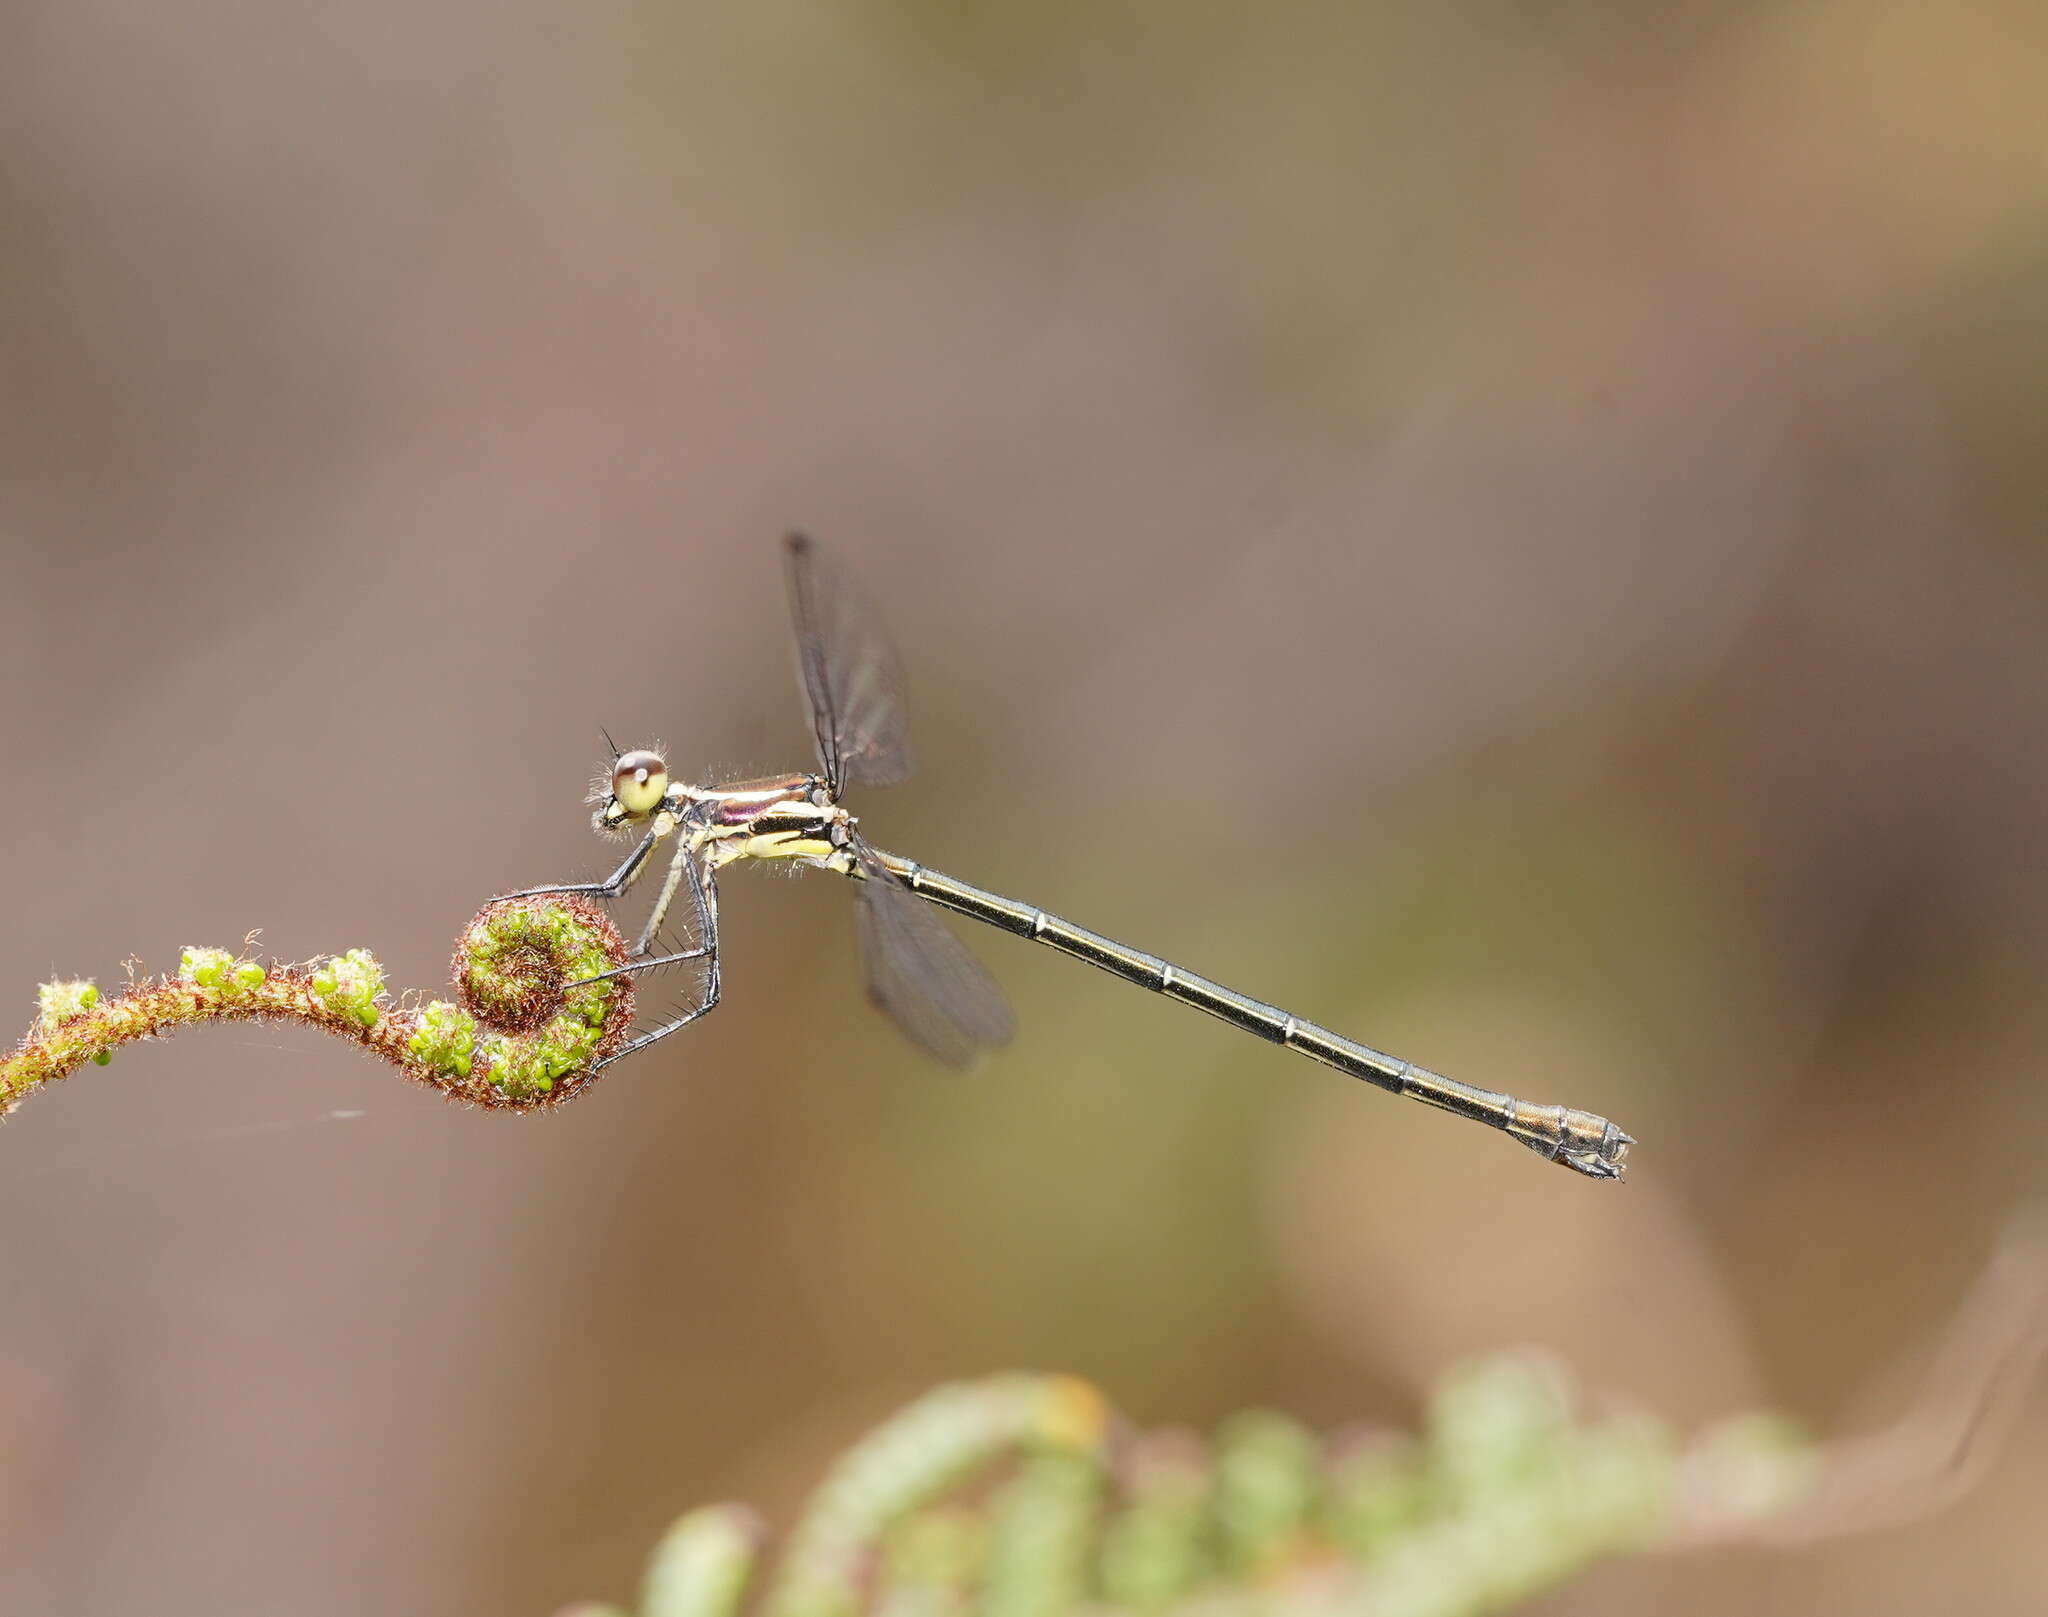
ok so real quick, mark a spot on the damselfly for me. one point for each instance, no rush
(917, 971)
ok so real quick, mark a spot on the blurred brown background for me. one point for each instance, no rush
(1514, 529)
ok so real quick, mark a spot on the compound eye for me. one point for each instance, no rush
(640, 782)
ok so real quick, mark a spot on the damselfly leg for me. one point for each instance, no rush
(704, 899)
(611, 887)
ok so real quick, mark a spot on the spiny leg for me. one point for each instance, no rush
(653, 964)
(684, 859)
(704, 899)
(612, 886)
(707, 924)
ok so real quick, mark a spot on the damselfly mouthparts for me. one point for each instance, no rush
(917, 971)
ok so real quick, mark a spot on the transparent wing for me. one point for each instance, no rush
(849, 673)
(928, 981)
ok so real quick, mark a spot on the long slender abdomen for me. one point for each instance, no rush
(1582, 1141)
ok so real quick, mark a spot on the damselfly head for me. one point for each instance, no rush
(637, 787)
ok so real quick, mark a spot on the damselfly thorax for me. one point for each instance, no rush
(789, 817)
(925, 978)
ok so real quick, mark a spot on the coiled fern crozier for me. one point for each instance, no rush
(525, 1030)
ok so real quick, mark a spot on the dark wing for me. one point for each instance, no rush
(849, 673)
(933, 988)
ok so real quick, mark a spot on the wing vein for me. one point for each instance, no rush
(848, 672)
